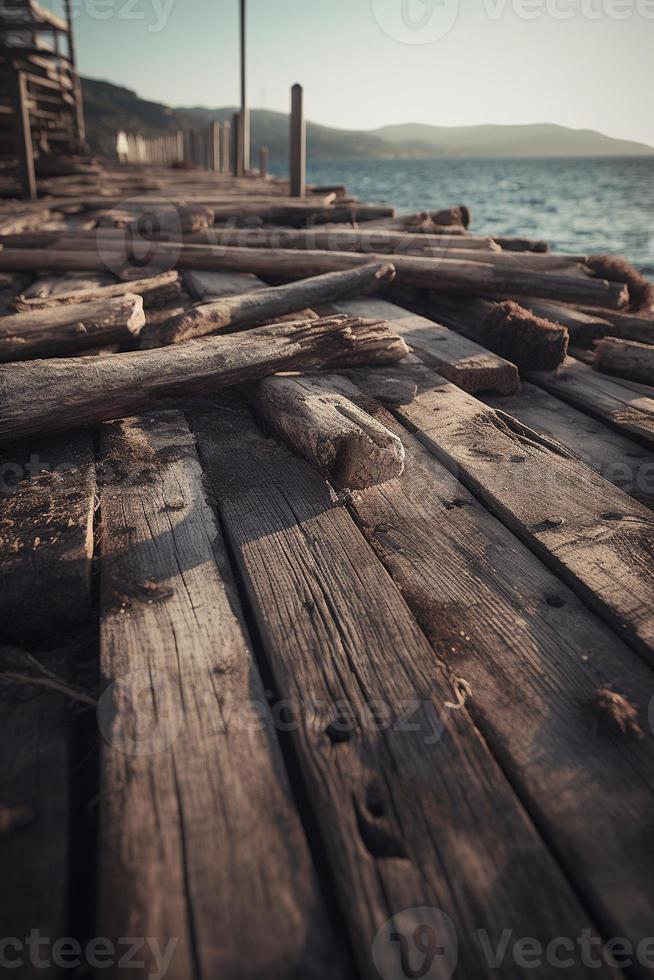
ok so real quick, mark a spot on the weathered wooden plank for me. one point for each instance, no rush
(626, 405)
(200, 837)
(533, 657)
(596, 538)
(210, 285)
(35, 729)
(626, 359)
(412, 808)
(616, 458)
(459, 360)
(47, 492)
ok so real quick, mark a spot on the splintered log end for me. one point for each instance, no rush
(372, 342)
(187, 325)
(350, 448)
(136, 320)
(530, 342)
(616, 269)
(616, 714)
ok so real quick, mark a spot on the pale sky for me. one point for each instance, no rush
(581, 63)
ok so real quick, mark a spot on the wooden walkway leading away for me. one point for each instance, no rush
(270, 729)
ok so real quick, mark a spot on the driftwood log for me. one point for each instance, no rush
(250, 308)
(531, 343)
(65, 329)
(442, 274)
(186, 220)
(43, 396)
(627, 326)
(583, 328)
(156, 291)
(317, 419)
(626, 359)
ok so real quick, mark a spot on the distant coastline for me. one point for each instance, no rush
(110, 108)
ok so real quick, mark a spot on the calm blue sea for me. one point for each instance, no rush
(577, 205)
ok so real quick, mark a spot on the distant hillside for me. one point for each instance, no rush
(109, 108)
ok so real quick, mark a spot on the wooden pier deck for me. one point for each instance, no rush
(270, 728)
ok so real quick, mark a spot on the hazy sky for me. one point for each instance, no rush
(365, 63)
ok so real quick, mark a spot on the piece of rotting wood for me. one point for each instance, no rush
(583, 328)
(626, 405)
(627, 326)
(46, 395)
(250, 308)
(47, 497)
(155, 292)
(456, 358)
(626, 359)
(411, 807)
(201, 845)
(65, 329)
(528, 341)
(349, 447)
(614, 456)
(595, 537)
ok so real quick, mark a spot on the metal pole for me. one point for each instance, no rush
(244, 127)
(80, 128)
(298, 143)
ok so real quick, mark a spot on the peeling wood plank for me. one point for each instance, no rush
(200, 837)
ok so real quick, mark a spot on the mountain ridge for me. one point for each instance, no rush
(110, 107)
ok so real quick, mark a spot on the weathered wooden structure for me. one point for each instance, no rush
(41, 111)
(330, 676)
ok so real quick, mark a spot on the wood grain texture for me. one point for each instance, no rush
(320, 422)
(200, 837)
(596, 538)
(626, 405)
(46, 535)
(626, 359)
(408, 799)
(461, 361)
(35, 729)
(60, 393)
(155, 292)
(533, 657)
(617, 459)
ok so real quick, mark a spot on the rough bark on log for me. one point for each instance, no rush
(626, 359)
(265, 304)
(45, 333)
(340, 238)
(531, 343)
(156, 291)
(447, 274)
(43, 396)
(317, 419)
(616, 269)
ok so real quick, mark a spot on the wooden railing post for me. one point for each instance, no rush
(180, 146)
(298, 143)
(24, 147)
(264, 156)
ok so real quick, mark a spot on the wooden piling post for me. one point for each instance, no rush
(214, 142)
(180, 146)
(225, 155)
(236, 137)
(25, 149)
(264, 156)
(244, 122)
(298, 143)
